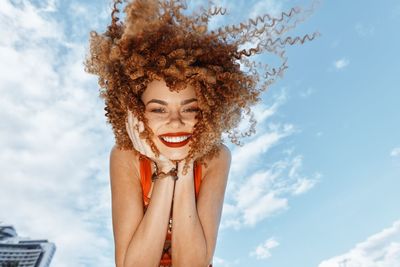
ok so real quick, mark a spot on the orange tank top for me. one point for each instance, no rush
(145, 178)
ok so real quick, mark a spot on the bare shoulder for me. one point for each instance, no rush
(224, 155)
(211, 196)
(220, 162)
(126, 199)
(126, 161)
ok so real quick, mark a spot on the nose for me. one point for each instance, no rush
(175, 120)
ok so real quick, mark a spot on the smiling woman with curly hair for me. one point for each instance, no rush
(171, 88)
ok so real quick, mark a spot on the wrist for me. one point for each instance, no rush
(165, 167)
(168, 170)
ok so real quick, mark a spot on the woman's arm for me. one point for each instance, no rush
(139, 238)
(195, 227)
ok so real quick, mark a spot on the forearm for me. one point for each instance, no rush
(189, 246)
(147, 243)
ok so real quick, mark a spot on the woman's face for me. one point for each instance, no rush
(171, 116)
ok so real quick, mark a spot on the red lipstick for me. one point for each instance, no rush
(175, 144)
(176, 134)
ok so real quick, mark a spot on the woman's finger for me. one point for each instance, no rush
(142, 143)
(135, 130)
(128, 127)
(131, 137)
(141, 126)
(131, 131)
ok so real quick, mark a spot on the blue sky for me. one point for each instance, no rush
(316, 186)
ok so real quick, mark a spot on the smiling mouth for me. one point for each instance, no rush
(175, 141)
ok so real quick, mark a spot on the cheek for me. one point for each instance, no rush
(157, 124)
(154, 122)
(195, 121)
(190, 119)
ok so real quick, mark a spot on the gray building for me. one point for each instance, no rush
(23, 252)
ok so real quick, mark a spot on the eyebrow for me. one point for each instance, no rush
(184, 102)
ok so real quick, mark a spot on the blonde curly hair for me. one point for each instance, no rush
(156, 41)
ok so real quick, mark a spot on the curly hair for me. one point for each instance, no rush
(157, 41)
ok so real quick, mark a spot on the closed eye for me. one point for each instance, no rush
(157, 110)
(192, 110)
(162, 110)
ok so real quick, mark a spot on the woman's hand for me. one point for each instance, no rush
(134, 127)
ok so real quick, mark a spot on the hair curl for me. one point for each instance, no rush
(156, 41)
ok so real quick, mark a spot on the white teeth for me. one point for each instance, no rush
(177, 139)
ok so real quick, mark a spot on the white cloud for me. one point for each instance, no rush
(341, 63)
(304, 185)
(263, 112)
(242, 156)
(78, 18)
(53, 155)
(271, 7)
(262, 141)
(395, 152)
(239, 11)
(263, 251)
(53, 149)
(379, 250)
(258, 189)
(266, 206)
(32, 26)
(265, 193)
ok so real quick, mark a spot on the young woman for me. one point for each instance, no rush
(171, 89)
(141, 234)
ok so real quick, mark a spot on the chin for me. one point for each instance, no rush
(172, 153)
(175, 153)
